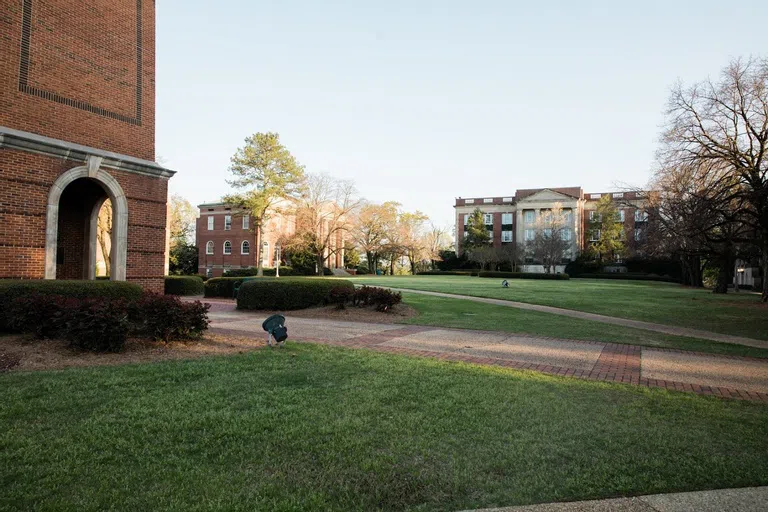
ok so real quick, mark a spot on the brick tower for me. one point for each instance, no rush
(77, 126)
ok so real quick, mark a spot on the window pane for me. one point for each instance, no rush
(246, 221)
(506, 218)
(210, 222)
(227, 247)
(227, 222)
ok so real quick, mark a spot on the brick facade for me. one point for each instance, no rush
(77, 86)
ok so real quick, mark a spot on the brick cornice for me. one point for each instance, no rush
(40, 144)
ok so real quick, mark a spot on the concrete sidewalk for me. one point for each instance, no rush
(636, 324)
(725, 376)
(748, 499)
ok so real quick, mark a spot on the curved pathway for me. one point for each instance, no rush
(696, 372)
(637, 324)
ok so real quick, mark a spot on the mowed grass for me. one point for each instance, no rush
(317, 428)
(465, 314)
(739, 314)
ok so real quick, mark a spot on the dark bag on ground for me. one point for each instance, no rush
(280, 334)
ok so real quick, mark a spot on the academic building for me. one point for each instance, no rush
(513, 219)
(77, 127)
(226, 239)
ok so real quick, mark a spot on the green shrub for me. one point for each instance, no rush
(524, 275)
(340, 295)
(448, 273)
(10, 289)
(222, 286)
(184, 285)
(287, 293)
(252, 271)
(629, 276)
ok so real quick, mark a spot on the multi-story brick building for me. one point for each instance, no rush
(512, 219)
(226, 239)
(77, 126)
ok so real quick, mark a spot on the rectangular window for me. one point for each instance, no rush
(620, 216)
(638, 234)
(568, 216)
(594, 216)
(210, 223)
(594, 196)
(227, 222)
(488, 219)
(506, 219)
(641, 216)
(208, 272)
(506, 236)
(530, 216)
(507, 199)
(469, 201)
(594, 236)
(565, 234)
(530, 234)
(246, 221)
(466, 219)
(618, 195)
(488, 200)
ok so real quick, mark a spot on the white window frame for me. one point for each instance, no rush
(243, 245)
(565, 234)
(211, 223)
(209, 247)
(488, 219)
(227, 222)
(507, 199)
(641, 216)
(594, 235)
(507, 219)
(530, 216)
(618, 195)
(466, 219)
(620, 213)
(488, 200)
(265, 253)
(506, 236)
(530, 234)
(638, 234)
(208, 272)
(595, 196)
(469, 201)
(246, 221)
(224, 249)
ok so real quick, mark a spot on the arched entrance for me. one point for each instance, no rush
(72, 216)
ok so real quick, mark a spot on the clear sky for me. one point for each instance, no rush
(421, 102)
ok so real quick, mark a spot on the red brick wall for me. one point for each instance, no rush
(218, 236)
(25, 181)
(81, 71)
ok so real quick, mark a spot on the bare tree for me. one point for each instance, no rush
(104, 233)
(550, 241)
(723, 127)
(435, 240)
(324, 215)
(511, 253)
(486, 256)
(372, 226)
(411, 227)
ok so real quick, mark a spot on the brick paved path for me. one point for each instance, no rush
(637, 324)
(695, 372)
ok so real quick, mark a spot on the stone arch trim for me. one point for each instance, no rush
(119, 250)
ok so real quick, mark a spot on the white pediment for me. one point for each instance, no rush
(546, 195)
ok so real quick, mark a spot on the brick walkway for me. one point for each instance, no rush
(694, 372)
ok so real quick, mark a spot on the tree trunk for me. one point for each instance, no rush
(371, 263)
(764, 295)
(320, 263)
(259, 249)
(392, 266)
(723, 273)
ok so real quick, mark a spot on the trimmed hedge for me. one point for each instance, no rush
(252, 271)
(184, 285)
(11, 289)
(448, 273)
(525, 275)
(288, 293)
(222, 286)
(628, 276)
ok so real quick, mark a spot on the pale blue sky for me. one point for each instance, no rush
(421, 102)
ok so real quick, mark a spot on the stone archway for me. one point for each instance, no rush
(118, 256)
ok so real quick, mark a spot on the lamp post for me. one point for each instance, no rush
(277, 263)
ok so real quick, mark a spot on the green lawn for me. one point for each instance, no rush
(317, 428)
(465, 314)
(735, 313)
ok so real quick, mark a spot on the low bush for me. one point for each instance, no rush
(287, 293)
(167, 318)
(629, 276)
(11, 289)
(448, 273)
(340, 295)
(97, 325)
(382, 298)
(222, 286)
(253, 271)
(184, 285)
(40, 315)
(524, 275)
